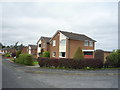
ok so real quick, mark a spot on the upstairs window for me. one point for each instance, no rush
(39, 45)
(63, 42)
(54, 43)
(90, 43)
(86, 43)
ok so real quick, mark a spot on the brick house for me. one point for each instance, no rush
(64, 44)
(24, 50)
(32, 49)
(8, 50)
(43, 44)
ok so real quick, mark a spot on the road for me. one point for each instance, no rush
(14, 77)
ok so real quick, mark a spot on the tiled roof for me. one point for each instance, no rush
(76, 36)
(33, 46)
(46, 39)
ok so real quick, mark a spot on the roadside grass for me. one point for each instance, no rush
(12, 59)
(35, 63)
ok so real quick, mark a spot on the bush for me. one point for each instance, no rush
(99, 54)
(113, 59)
(78, 54)
(7, 55)
(46, 54)
(18, 53)
(26, 59)
(70, 63)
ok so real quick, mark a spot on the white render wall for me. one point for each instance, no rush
(62, 48)
(29, 48)
(38, 48)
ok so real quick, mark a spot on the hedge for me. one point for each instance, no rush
(70, 63)
(26, 59)
(113, 60)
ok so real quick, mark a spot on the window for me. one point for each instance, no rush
(86, 43)
(54, 43)
(90, 43)
(63, 42)
(88, 53)
(62, 54)
(39, 45)
(54, 54)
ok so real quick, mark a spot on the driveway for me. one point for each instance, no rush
(20, 76)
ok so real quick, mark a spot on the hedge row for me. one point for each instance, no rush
(26, 59)
(70, 63)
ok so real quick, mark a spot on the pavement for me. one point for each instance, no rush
(21, 76)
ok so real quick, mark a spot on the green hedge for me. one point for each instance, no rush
(113, 59)
(7, 54)
(26, 59)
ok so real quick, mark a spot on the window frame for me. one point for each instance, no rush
(85, 43)
(63, 44)
(54, 43)
(53, 54)
(91, 43)
(60, 54)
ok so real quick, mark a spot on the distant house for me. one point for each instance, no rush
(24, 50)
(8, 50)
(32, 49)
(43, 45)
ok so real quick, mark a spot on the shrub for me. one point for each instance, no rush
(99, 54)
(18, 53)
(46, 54)
(70, 63)
(7, 55)
(26, 59)
(113, 59)
(78, 54)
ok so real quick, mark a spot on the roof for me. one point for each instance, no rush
(33, 46)
(46, 39)
(75, 36)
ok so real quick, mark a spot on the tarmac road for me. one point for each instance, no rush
(16, 77)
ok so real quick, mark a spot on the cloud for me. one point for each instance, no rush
(26, 22)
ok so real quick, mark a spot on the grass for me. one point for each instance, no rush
(35, 62)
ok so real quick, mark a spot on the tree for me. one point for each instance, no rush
(46, 54)
(78, 54)
(114, 58)
(18, 53)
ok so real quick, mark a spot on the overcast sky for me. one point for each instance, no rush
(26, 22)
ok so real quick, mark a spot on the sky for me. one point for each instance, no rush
(26, 22)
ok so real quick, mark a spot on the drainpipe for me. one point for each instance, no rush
(68, 48)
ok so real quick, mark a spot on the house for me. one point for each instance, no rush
(43, 45)
(8, 50)
(32, 49)
(64, 44)
(24, 50)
